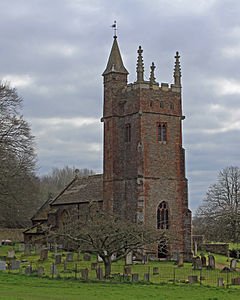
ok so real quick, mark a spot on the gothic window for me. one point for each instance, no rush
(128, 133)
(162, 132)
(163, 216)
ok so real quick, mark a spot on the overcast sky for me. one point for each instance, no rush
(54, 52)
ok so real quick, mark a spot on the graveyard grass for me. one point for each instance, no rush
(20, 287)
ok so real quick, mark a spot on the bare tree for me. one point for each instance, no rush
(220, 211)
(100, 232)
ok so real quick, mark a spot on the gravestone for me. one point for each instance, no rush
(220, 282)
(180, 261)
(197, 263)
(192, 278)
(195, 248)
(145, 259)
(53, 270)
(113, 257)
(134, 277)
(11, 253)
(129, 258)
(43, 254)
(21, 247)
(155, 271)
(87, 257)
(27, 250)
(146, 277)
(15, 265)
(94, 266)
(177, 257)
(99, 259)
(84, 274)
(211, 262)
(127, 270)
(236, 281)
(2, 265)
(203, 260)
(58, 259)
(99, 273)
(28, 270)
(40, 271)
(233, 264)
(69, 257)
(38, 248)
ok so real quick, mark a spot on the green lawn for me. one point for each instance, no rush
(19, 287)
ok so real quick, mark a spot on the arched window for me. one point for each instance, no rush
(162, 132)
(163, 216)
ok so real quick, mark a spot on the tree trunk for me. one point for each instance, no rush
(107, 264)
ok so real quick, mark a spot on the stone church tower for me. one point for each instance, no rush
(144, 162)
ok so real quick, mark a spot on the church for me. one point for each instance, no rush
(144, 162)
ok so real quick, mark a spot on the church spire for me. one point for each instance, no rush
(140, 67)
(115, 63)
(152, 78)
(177, 71)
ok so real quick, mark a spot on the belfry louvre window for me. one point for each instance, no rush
(163, 216)
(128, 133)
(162, 132)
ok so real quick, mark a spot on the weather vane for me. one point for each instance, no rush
(114, 26)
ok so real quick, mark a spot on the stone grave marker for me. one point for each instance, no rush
(145, 259)
(99, 273)
(38, 248)
(99, 259)
(84, 274)
(43, 254)
(94, 266)
(233, 264)
(40, 271)
(146, 277)
(220, 282)
(127, 270)
(211, 262)
(192, 278)
(134, 277)
(2, 265)
(203, 260)
(28, 270)
(195, 248)
(27, 250)
(21, 247)
(15, 265)
(58, 259)
(129, 258)
(236, 281)
(155, 271)
(197, 263)
(69, 257)
(113, 257)
(11, 253)
(53, 270)
(87, 257)
(180, 261)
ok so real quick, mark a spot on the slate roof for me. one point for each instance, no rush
(81, 190)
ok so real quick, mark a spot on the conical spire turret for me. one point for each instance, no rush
(177, 71)
(140, 65)
(115, 63)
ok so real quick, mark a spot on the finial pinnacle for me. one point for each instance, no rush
(114, 26)
(152, 78)
(177, 71)
(140, 65)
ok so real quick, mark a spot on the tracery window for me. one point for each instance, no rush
(162, 132)
(163, 216)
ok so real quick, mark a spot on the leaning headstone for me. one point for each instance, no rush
(69, 257)
(53, 270)
(27, 250)
(15, 265)
(99, 273)
(87, 257)
(236, 281)
(197, 263)
(192, 278)
(58, 259)
(21, 247)
(11, 253)
(127, 270)
(28, 270)
(203, 260)
(233, 264)
(211, 262)
(43, 254)
(2, 265)
(220, 282)
(84, 274)
(94, 266)
(146, 277)
(145, 259)
(38, 248)
(40, 271)
(134, 277)
(129, 258)
(180, 261)
(155, 271)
